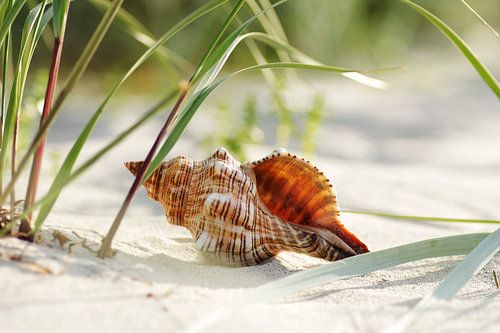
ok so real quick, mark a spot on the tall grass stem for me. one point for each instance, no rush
(105, 250)
(75, 75)
(49, 94)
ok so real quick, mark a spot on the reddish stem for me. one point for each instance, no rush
(47, 106)
(105, 250)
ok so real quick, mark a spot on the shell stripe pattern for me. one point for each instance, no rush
(235, 218)
(297, 192)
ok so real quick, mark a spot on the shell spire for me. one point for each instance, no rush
(246, 213)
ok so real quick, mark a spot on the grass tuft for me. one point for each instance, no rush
(342, 269)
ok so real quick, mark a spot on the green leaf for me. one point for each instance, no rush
(9, 18)
(33, 26)
(345, 268)
(420, 218)
(60, 8)
(206, 86)
(215, 59)
(52, 195)
(300, 56)
(140, 33)
(455, 280)
(217, 38)
(74, 76)
(480, 18)
(72, 156)
(105, 249)
(485, 74)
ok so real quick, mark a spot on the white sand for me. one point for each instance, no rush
(158, 283)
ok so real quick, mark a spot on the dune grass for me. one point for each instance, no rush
(184, 102)
(455, 280)
(346, 268)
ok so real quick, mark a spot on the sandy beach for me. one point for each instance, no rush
(414, 153)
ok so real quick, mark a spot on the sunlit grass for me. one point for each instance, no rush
(184, 102)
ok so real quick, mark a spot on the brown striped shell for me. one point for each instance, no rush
(246, 213)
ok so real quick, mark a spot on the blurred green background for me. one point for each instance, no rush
(350, 33)
(361, 34)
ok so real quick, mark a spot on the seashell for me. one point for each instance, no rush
(246, 213)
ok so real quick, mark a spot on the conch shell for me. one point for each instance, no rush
(246, 213)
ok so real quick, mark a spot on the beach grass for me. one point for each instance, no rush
(261, 27)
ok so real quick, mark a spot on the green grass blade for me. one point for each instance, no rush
(76, 73)
(345, 268)
(178, 129)
(215, 59)
(86, 56)
(34, 24)
(5, 49)
(210, 49)
(420, 218)
(455, 280)
(194, 101)
(480, 18)
(52, 195)
(209, 67)
(72, 156)
(311, 67)
(133, 27)
(9, 18)
(485, 74)
(59, 8)
(74, 76)
(272, 26)
(214, 63)
(300, 56)
(105, 249)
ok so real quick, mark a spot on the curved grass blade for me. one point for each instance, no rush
(271, 25)
(59, 20)
(213, 60)
(70, 160)
(5, 50)
(49, 196)
(213, 44)
(480, 18)
(133, 27)
(209, 68)
(61, 8)
(420, 218)
(454, 281)
(9, 18)
(105, 249)
(74, 76)
(194, 102)
(485, 74)
(345, 268)
(300, 56)
(34, 24)
(86, 56)
(216, 61)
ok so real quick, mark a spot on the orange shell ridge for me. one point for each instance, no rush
(297, 192)
(246, 213)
